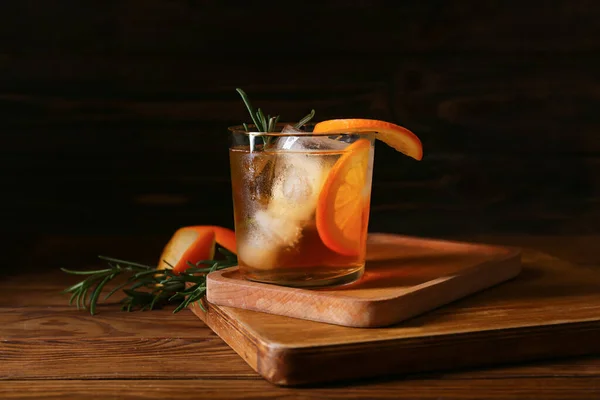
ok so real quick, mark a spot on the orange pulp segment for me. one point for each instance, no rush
(395, 136)
(340, 205)
(195, 243)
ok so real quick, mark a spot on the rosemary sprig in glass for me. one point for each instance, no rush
(268, 123)
(147, 287)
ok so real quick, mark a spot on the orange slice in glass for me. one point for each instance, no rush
(195, 243)
(395, 136)
(340, 205)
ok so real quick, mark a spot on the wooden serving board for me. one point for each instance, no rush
(405, 277)
(551, 309)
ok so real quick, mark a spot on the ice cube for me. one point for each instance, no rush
(297, 183)
(267, 235)
(277, 228)
(306, 142)
(288, 142)
(299, 174)
(290, 129)
(255, 250)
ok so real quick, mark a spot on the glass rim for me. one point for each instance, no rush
(239, 129)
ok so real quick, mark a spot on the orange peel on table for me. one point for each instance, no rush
(191, 244)
(395, 136)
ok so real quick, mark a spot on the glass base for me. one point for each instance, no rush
(314, 278)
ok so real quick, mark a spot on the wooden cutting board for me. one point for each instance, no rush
(551, 309)
(405, 277)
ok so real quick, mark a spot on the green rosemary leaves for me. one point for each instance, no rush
(146, 287)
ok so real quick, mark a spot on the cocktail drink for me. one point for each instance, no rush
(301, 199)
(301, 204)
(301, 196)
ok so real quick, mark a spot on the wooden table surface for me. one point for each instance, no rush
(51, 350)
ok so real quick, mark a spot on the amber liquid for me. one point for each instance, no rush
(274, 210)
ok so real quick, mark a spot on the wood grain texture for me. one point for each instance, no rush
(50, 351)
(42, 342)
(404, 277)
(152, 357)
(68, 323)
(551, 309)
(498, 389)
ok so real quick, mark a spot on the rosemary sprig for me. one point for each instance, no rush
(147, 287)
(258, 117)
(268, 123)
(305, 120)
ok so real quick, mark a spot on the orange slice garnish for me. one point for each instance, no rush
(341, 202)
(195, 243)
(395, 136)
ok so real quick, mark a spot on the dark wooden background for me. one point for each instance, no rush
(113, 113)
